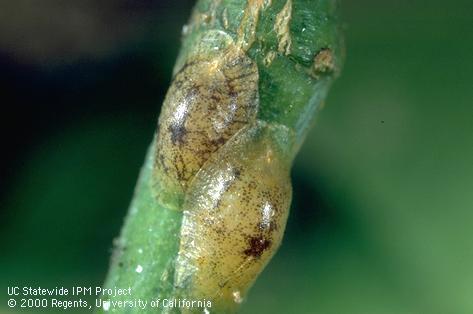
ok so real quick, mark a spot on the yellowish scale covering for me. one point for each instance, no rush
(209, 100)
(227, 171)
(235, 213)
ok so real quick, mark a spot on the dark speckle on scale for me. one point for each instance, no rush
(257, 246)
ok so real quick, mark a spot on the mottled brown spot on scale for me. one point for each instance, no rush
(219, 230)
(178, 133)
(180, 167)
(218, 142)
(216, 98)
(257, 246)
(252, 185)
(232, 93)
(237, 172)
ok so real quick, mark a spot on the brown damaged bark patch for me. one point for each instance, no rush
(247, 29)
(282, 29)
(323, 61)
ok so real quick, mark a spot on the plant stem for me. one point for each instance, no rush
(297, 48)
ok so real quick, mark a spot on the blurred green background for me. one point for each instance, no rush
(382, 216)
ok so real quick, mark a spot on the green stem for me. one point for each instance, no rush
(297, 48)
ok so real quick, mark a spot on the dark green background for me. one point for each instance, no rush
(382, 217)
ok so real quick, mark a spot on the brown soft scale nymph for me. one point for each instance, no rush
(207, 103)
(235, 213)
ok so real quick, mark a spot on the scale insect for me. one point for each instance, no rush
(227, 171)
(235, 214)
(210, 99)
